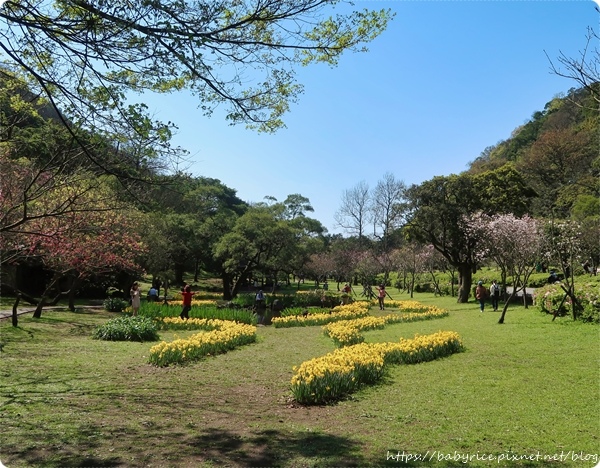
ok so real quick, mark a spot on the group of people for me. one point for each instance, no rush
(260, 305)
(482, 293)
(135, 295)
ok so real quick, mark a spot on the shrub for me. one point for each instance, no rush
(244, 300)
(115, 304)
(424, 288)
(127, 329)
(316, 298)
(550, 297)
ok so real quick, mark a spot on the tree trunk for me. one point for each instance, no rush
(196, 270)
(74, 285)
(436, 284)
(525, 297)
(575, 305)
(38, 310)
(452, 277)
(465, 281)
(43, 301)
(505, 308)
(15, 320)
(226, 280)
(179, 271)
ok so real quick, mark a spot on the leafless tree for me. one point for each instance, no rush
(354, 212)
(585, 69)
(388, 205)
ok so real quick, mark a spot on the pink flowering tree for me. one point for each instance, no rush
(513, 243)
(366, 268)
(94, 244)
(69, 224)
(320, 266)
(410, 264)
(434, 262)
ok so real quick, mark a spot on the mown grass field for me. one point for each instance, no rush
(529, 387)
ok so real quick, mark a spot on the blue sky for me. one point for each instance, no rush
(443, 82)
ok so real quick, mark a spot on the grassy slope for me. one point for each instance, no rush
(529, 385)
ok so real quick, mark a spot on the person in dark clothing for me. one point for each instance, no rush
(495, 294)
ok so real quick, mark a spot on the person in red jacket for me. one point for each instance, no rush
(187, 302)
(381, 296)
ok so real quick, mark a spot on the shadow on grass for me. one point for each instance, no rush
(221, 447)
(214, 447)
(277, 448)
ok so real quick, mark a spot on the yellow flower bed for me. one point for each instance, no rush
(345, 312)
(177, 323)
(355, 306)
(196, 303)
(421, 348)
(347, 332)
(222, 336)
(432, 313)
(407, 306)
(330, 377)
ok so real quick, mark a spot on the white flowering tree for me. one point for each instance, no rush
(564, 240)
(514, 244)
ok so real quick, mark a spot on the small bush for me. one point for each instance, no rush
(550, 297)
(115, 304)
(316, 298)
(127, 329)
(244, 300)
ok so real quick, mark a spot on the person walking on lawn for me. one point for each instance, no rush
(495, 294)
(381, 296)
(186, 295)
(480, 294)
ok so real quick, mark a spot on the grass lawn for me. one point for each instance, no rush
(529, 387)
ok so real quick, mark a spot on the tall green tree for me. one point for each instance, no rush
(440, 208)
(188, 216)
(254, 242)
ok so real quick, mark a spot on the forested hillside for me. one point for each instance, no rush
(557, 152)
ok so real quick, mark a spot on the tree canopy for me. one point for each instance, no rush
(89, 57)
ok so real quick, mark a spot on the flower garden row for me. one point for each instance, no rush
(411, 311)
(323, 379)
(218, 337)
(331, 377)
